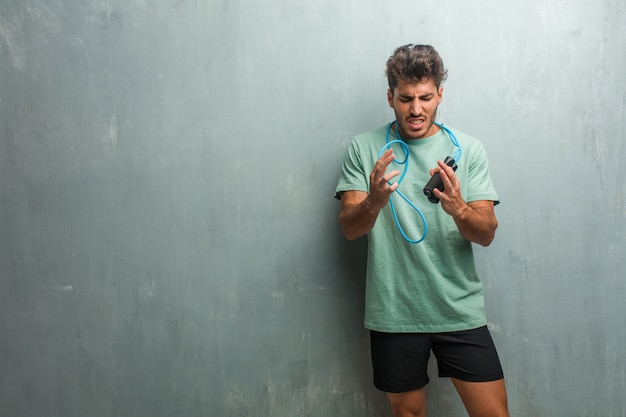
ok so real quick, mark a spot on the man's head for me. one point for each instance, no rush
(415, 63)
(415, 74)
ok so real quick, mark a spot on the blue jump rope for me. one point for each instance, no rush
(405, 162)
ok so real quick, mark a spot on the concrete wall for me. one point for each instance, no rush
(168, 237)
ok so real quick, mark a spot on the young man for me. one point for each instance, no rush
(424, 296)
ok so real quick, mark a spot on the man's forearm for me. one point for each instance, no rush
(357, 219)
(477, 223)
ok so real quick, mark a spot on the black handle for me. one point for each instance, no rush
(436, 182)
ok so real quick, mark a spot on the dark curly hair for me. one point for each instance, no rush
(414, 63)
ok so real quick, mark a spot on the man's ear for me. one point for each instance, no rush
(390, 97)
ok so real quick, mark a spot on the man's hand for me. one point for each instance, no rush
(451, 199)
(359, 209)
(380, 189)
(475, 220)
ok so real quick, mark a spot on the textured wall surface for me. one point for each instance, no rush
(168, 237)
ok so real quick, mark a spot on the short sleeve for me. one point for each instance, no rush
(353, 176)
(480, 184)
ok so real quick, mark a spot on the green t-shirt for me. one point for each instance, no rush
(431, 286)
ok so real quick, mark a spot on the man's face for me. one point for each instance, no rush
(415, 106)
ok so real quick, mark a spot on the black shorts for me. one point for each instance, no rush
(400, 360)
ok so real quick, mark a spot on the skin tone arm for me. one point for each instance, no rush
(475, 220)
(359, 209)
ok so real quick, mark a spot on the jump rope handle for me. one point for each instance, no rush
(436, 182)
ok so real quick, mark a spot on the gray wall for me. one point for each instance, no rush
(168, 236)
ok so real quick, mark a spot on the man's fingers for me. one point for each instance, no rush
(387, 177)
(386, 159)
(444, 177)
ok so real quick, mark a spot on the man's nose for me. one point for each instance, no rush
(416, 107)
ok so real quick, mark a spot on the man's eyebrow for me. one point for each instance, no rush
(422, 96)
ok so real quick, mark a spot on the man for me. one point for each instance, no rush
(425, 296)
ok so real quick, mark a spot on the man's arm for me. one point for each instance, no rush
(475, 220)
(357, 215)
(359, 209)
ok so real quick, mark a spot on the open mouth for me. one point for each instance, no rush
(416, 124)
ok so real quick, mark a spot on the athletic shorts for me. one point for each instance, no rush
(400, 360)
